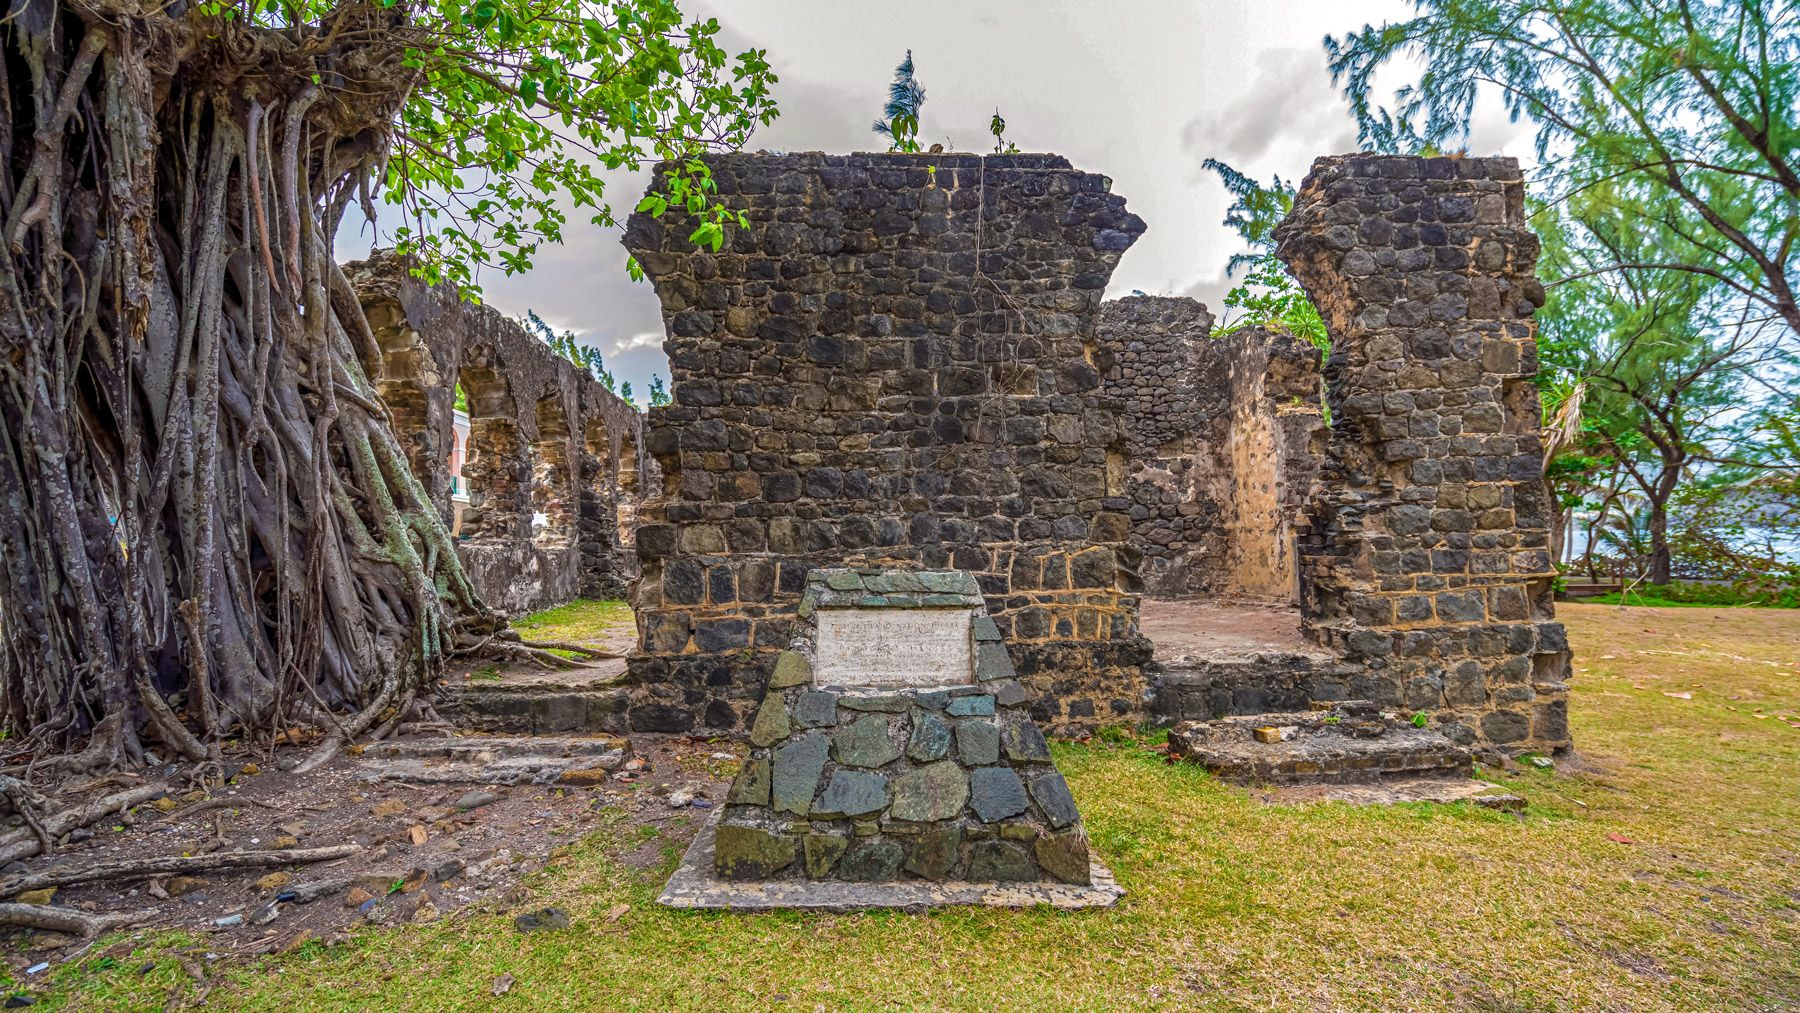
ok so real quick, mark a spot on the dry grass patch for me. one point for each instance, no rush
(1660, 871)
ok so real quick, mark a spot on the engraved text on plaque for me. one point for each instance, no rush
(893, 647)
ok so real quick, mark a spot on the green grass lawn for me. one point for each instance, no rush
(1661, 873)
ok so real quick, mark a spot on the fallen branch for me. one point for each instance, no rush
(172, 865)
(57, 919)
(24, 844)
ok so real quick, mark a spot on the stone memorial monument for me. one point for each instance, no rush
(893, 762)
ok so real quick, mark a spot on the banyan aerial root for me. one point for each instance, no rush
(208, 529)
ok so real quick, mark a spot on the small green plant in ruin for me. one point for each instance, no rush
(905, 97)
(1421, 719)
(997, 127)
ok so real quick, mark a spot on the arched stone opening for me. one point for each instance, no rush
(496, 467)
(553, 487)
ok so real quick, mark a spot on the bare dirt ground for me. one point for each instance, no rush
(1200, 626)
(427, 851)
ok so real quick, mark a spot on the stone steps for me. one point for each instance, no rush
(495, 760)
(1242, 682)
(1348, 743)
(542, 706)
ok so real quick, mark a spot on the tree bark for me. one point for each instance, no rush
(207, 527)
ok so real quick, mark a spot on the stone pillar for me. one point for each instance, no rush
(894, 365)
(1428, 560)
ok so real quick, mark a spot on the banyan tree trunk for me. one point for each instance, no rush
(207, 527)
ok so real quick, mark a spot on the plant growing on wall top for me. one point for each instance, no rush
(997, 127)
(1268, 296)
(905, 97)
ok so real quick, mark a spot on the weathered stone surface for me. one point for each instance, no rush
(771, 721)
(936, 791)
(752, 853)
(1064, 855)
(992, 662)
(996, 793)
(751, 787)
(837, 400)
(873, 860)
(797, 766)
(930, 738)
(934, 853)
(814, 708)
(791, 669)
(865, 742)
(886, 703)
(1023, 741)
(977, 742)
(823, 852)
(1051, 793)
(971, 706)
(892, 646)
(1000, 862)
(853, 793)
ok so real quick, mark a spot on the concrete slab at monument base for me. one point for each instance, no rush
(697, 886)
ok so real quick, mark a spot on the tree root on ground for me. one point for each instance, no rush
(74, 923)
(24, 843)
(172, 865)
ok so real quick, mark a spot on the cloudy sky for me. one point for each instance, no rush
(1141, 90)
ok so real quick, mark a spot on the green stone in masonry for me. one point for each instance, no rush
(936, 791)
(977, 742)
(865, 742)
(845, 581)
(871, 601)
(752, 784)
(933, 853)
(771, 725)
(1000, 862)
(1023, 741)
(932, 699)
(1051, 793)
(1009, 692)
(984, 629)
(791, 669)
(751, 852)
(1010, 831)
(906, 583)
(853, 793)
(797, 767)
(971, 706)
(992, 662)
(930, 738)
(815, 707)
(1065, 856)
(877, 584)
(809, 603)
(939, 600)
(995, 793)
(874, 860)
(822, 852)
(887, 703)
(940, 581)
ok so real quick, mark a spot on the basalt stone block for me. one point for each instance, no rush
(1065, 855)
(934, 853)
(751, 787)
(865, 742)
(992, 662)
(1000, 862)
(935, 791)
(977, 742)
(872, 860)
(815, 708)
(771, 725)
(1051, 793)
(791, 669)
(996, 793)
(930, 738)
(742, 852)
(853, 793)
(971, 706)
(797, 766)
(1023, 741)
(822, 852)
(886, 703)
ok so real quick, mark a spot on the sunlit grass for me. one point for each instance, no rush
(1665, 876)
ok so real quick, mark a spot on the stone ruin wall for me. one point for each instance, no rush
(1222, 433)
(545, 437)
(1427, 561)
(895, 365)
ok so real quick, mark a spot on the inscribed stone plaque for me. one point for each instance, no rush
(893, 647)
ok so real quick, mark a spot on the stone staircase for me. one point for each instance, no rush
(1341, 742)
(540, 703)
